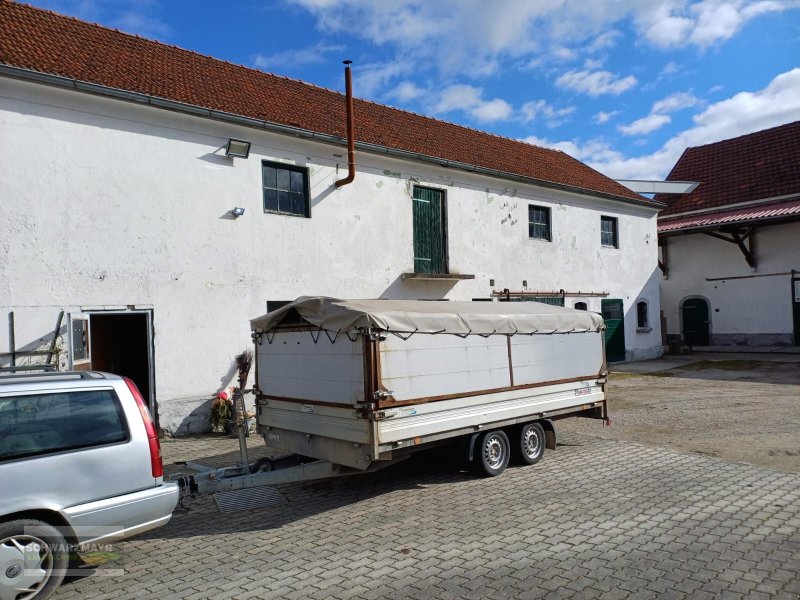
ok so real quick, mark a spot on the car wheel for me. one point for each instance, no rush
(492, 451)
(529, 444)
(33, 559)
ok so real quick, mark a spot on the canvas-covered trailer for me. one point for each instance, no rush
(360, 382)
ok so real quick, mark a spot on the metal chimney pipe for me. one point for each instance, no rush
(351, 140)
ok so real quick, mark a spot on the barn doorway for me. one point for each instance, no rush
(119, 342)
(696, 322)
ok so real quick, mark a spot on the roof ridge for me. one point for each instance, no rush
(760, 132)
(182, 70)
(168, 45)
(284, 77)
(459, 125)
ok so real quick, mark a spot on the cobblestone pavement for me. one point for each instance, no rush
(595, 519)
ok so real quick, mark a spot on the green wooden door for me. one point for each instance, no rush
(695, 322)
(430, 254)
(614, 317)
(796, 309)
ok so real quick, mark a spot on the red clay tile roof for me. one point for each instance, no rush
(773, 211)
(43, 41)
(760, 165)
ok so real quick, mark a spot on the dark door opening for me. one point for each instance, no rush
(614, 317)
(796, 308)
(120, 344)
(696, 331)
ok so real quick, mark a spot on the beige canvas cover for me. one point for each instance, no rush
(416, 316)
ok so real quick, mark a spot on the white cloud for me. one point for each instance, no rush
(133, 16)
(592, 151)
(493, 110)
(475, 38)
(669, 69)
(671, 23)
(369, 79)
(745, 112)
(596, 83)
(604, 117)
(564, 53)
(592, 64)
(644, 125)
(659, 114)
(145, 25)
(469, 99)
(674, 102)
(607, 39)
(296, 58)
(540, 108)
(407, 91)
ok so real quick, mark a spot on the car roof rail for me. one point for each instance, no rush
(7, 374)
(18, 368)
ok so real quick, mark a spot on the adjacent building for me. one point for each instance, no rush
(730, 249)
(154, 200)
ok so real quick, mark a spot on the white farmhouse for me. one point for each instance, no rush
(159, 199)
(730, 249)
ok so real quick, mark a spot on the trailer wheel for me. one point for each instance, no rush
(493, 452)
(529, 444)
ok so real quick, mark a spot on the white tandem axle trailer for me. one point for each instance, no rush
(348, 386)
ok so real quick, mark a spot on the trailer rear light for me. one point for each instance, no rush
(156, 465)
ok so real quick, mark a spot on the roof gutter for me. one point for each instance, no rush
(191, 109)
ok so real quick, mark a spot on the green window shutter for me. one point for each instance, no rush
(429, 238)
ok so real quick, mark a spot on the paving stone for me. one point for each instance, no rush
(597, 518)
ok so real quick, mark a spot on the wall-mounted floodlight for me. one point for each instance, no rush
(237, 149)
(237, 212)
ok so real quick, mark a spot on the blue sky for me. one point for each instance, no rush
(623, 85)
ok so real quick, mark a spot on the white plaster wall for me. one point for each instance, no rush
(111, 204)
(755, 310)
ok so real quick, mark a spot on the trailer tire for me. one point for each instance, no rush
(529, 444)
(493, 453)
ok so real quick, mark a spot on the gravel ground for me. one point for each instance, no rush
(736, 408)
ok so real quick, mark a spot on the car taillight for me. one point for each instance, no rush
(152, 435)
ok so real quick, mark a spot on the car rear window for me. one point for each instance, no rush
(35, 424)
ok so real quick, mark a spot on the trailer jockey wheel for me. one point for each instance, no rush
(262, 465)
(529, 444)
(492, 451)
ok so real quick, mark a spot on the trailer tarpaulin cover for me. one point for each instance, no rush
(415, 316)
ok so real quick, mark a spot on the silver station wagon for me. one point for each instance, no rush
(80, 463)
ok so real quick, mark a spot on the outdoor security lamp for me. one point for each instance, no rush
(237, 149)
(237, 212)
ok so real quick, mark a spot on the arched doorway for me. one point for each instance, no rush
(696, 322)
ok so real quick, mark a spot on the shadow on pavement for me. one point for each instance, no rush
(423, 469)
